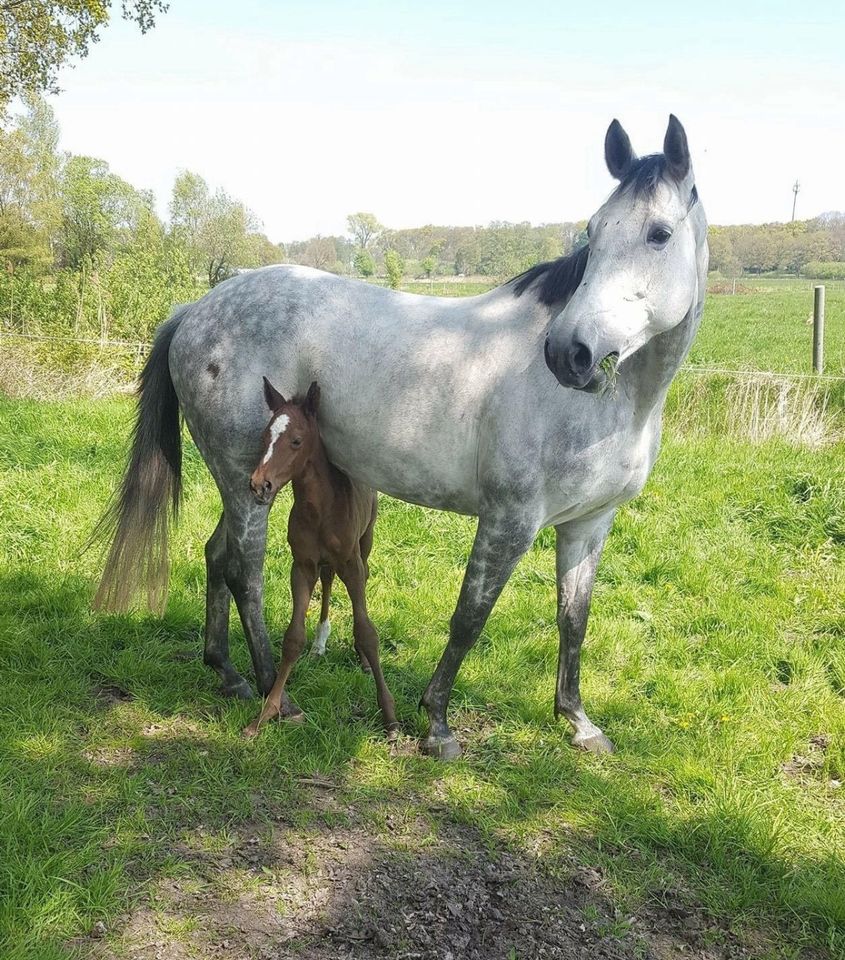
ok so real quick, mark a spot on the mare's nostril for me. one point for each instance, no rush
(267, 486)
(580, 358)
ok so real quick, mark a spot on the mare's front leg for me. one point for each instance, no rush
(497, 548)
(218, 598)
(246, 528)
(303, 577)
(579, 547)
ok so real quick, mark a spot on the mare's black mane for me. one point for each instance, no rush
(557, 279)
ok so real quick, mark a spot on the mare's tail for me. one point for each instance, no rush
(137, 517)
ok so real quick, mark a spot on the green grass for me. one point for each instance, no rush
(716, 652)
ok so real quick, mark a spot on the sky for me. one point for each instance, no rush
(464, 112)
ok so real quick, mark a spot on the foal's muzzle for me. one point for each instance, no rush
(262, 489)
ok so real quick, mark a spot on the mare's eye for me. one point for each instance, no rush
(296, 442)
(659, 235)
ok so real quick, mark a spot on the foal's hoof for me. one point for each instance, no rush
(392, 733)
(238, 690)
(441, 748)
(595, 742)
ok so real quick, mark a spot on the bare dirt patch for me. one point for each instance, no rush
(411, 893)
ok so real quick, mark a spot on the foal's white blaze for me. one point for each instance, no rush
(277, 428)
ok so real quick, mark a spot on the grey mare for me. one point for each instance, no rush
(537, 403)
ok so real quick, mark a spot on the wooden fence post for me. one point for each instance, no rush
(818, 329)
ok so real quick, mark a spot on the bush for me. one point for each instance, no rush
(824, 270)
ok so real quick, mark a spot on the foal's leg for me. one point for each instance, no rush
(303, 577)
(246, 526)
(495, 553)
(218, 598)
(324, 628)
(579, 546)
(365, 546)
(354, 577)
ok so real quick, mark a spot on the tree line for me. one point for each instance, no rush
(813, 248)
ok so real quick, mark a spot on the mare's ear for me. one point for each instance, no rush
(312, 399)
(676, 149)
(618, 153)
(274, 399)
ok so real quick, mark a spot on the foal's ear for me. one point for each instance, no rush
(618, 153)
(274, 399)
(676, 150)
(312, 399)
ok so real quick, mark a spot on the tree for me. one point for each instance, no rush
(429, 265)
(217, 232)
(364, 263)
(262, 252)
(40, 133)
(320, 253)
(30, 214)
(364, 228)
(37, 37)
(98, 208)
(395, 266)
(146, 279)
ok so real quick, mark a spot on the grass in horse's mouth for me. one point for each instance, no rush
(609, 367)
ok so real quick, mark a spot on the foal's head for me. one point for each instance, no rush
(289, 441)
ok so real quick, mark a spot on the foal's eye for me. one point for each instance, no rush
(296, 442)
(659, 235)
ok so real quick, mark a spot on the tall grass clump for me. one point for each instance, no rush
(756, 408)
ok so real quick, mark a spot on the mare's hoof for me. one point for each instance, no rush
(239, 690)
(392, 733)
(595, 742)
(441, 748)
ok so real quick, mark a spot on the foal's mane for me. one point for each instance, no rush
(558, 279)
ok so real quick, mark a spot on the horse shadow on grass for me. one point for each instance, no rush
(160, 832)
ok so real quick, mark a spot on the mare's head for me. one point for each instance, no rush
(640, 275)
(288, 443)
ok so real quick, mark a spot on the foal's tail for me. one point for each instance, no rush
(137, 517)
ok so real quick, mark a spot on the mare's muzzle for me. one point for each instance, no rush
(575, 364)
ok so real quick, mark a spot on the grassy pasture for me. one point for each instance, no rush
(715, 660)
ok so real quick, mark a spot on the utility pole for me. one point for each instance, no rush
(795, 188)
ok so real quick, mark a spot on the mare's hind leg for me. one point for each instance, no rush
(324, 628)
(579, 546)
(246, 528)
(218, 599)
(366, 639)
(303, 577)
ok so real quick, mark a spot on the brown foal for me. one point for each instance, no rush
(330, 531)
